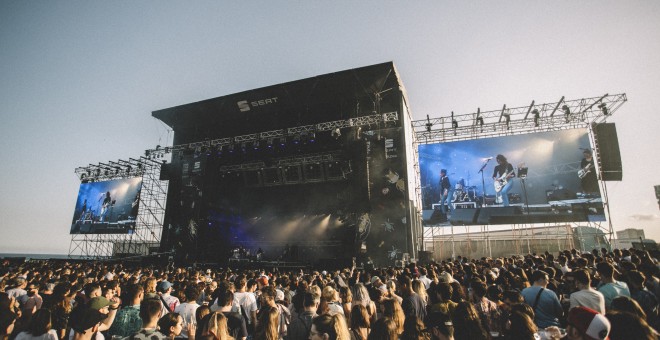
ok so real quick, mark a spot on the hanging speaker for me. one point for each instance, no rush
(608, 148)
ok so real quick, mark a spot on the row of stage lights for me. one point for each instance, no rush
(536, 116)
(103, 171)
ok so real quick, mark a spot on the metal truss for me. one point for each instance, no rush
(149, 222)
(564, 114)
(159, 152)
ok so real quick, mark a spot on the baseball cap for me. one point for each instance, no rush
(588, 321)
(99, 302)
(263, 280)
(279, 295)
(374, 279)
(83, 319)
(164, 285)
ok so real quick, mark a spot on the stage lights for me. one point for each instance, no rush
(336, 133)
(567, 112)
(603, 108)
(536, 114)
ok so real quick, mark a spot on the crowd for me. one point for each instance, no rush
(569, 295)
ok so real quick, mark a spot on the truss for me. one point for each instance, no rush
(562, 115)
(149, 224)
(159, 152)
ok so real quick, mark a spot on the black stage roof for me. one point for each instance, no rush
(334, 96)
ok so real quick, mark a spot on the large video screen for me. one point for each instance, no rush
(108, 207)
(533, 178)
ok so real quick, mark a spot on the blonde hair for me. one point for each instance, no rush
(215, 326)
(394, 311)
(332, 325)
(268, 324)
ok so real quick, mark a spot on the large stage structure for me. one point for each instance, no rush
(315, 170)
(331, 169)
(474, 219)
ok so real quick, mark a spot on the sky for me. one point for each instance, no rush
(79, 79)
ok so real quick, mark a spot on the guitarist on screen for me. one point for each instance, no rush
(503, 175)
(587, 174)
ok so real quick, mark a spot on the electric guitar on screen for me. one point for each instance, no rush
(584, 171)
(502, 181)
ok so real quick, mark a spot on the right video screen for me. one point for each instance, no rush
(531, 178)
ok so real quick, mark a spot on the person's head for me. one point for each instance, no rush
(192, 293)
(134, 293)
(268, 295)
(582, 278)
(201, 312)
(310, 301)
(329, 327)
(393, 310)
(225, 298)
(360, 293)
(359, 317)
(329, 294)
(164, 287)
(100, 303)
(85, 321)
(171, 324)
(384, 329)
(500, 159)
(405, 283)
(605, 270)
(439, 326)
(521, 326)
(587, 153)
(629, 326)
(478, 289)
(623, 303)
(413, 329)
(443, 172)
(150, 310)
(40, 323)
(539, 278)
(268, 323)
(588, 324)
(636, 279)
(214, 326)
(150, 285)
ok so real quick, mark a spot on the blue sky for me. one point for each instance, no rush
(79, 79)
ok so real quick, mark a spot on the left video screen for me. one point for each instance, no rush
(107, 207)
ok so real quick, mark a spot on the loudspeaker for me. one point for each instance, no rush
(438, 216)
(499, 215)
(608, 148)
(464, 216)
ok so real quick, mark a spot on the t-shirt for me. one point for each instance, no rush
(147, 334)
(612, 290)
(236, 325)
(127, 321)
(548, 310)
(248, 304)
(589, 298)
(414, 305)
(187, 312)
(50, 335)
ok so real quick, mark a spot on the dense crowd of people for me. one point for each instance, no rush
(569, 295)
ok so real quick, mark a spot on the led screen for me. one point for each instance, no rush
(108, 207)
(544, 183)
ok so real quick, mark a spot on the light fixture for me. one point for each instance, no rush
(567, 112)
(536, 114)
(604, 109)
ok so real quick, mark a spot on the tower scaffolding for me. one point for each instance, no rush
(561, 115)
(145, 239)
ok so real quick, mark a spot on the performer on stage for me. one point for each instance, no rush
(445, 192)
(503, 175)
(105, 206)
(588, 178)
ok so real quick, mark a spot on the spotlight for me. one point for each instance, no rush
(230, 148)
(269, 143)
(282, 141)
(507, 119)
(604, 109)
(255, 145)
(336, 133)
(536, 114)
(296, 139)
(567, 112)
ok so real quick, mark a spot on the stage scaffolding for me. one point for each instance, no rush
(561, 115)
(145, 240)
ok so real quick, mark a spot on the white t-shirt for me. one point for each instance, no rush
(50, 335)
(187, 312)
(589, 298)
(248, 303)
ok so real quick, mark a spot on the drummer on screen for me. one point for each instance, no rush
(445, 191)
